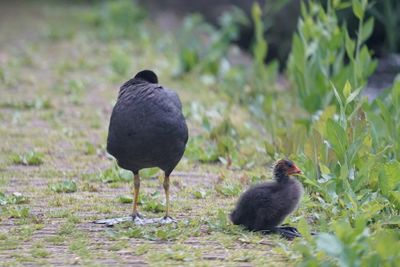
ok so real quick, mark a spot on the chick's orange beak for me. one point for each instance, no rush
(294, 170)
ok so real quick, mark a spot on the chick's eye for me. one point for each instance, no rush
(290, 165)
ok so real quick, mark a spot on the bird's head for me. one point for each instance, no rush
(147, 75)
(284, 168)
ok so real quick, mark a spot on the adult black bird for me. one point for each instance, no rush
(264, 207)
(147, 129)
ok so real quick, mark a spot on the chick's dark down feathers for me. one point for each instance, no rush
(266, 205)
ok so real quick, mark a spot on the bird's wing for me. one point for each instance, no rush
(174, 97)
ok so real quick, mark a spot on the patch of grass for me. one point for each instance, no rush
(38, 251)
(9, 243)
(80, 247)
(90, 187)
(183, 253)
(66, 229)
(120, 63)
(243, 256)
(199, 194)
(220, 222)
(149, 173)
(229, 188)
(113, 175)
(56, 240)
(14, 198)
(22, 258)
(152, 202)
(125, 199)
(31, 158)
(16, 212)
(74, 219)
(59, 213)
(180, 231)
(67, 186)
(142, 249)
(39, 103)
(119, 245)
(90, 149)
(116, 19)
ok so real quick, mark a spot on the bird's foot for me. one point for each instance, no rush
(138, 219)
(113, 221)
(288, 232)
(167, 220)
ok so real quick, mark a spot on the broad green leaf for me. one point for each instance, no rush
(372, 209)
(367, 29)
(396, 94)
(338, 98)
(392, 170)
(353, 95)
(358, 9)
(330, 244)
(3, 199)
(328, 113)
(304, 229)
(386, 244)
(347, 89)
(310, 182)
(385, 113)
(147, 173)
(337, 138)
(256, 10)
(389, 177)
(260, 48)
(355, 146)
(270, 149)
(395, 220)
(394, 196)
(350, 45)
(364, 173)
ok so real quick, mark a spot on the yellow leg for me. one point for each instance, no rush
(166, 189)
(136, 184)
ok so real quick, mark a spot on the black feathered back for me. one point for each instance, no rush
(147, 128)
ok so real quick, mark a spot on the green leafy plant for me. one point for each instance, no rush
(384, 115)
(319, 50)
(203, 48)
(350, 245)
(152, 202)
(67, 186)
(30, 158)
(16, 212)
(115, 174)
(38, 103)
(14, 198)
(116, 19)
(120, 63)
(125, 199)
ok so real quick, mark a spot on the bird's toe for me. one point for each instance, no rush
(113, 221)
(288, 232)
(138, 219)
(167, 220)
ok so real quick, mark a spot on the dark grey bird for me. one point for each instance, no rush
(147, 129)
(264, 207)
